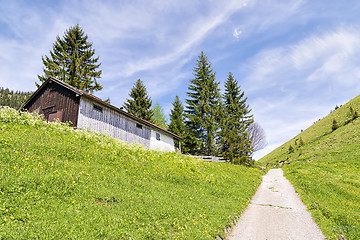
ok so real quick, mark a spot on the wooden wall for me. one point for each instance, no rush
(55, 101)
(100, 118)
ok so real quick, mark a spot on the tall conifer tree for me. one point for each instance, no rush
(159, 117)
(202, 109)
(72, 61)
(140, 103)
(177, 120)
(234, 138)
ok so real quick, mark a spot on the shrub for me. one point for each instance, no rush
(291, 149)
(301, 143)
(353, 113)
(334, 125)
(243, 160)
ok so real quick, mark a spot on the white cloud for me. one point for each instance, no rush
(298, 83)
(237, 32)
(260, 16)
(330, 57)
(341, 43)
(180, 43)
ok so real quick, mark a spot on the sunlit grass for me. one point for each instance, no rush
(330, 187)
(61, 183)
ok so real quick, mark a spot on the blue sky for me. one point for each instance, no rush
(296, 59)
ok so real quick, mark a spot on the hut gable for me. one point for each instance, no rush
(58, 100)
(55, 101)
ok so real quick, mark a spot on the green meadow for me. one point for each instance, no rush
(60, 183)
(323, 164)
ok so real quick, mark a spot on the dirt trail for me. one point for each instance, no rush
(276, 212)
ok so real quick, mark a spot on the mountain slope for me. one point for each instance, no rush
(61, 183)
(323, 164)
(314, 135)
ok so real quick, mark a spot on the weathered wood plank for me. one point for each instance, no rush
(111, 122)
(52, 98)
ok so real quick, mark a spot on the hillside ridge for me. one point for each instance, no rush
(322, 128)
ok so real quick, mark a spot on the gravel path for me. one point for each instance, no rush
(276, 212)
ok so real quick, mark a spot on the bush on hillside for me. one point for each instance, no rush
(291, 149)
(243, 160)
(353, 113)
(334, 125)
(299, 142)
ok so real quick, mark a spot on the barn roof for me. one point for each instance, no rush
(99, 101)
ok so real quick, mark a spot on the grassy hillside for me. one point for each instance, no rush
(58, 183)
(324, 167)
(320, 130)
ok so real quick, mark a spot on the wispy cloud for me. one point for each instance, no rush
(130, 37)
(178, 41)
(261, 16)
(330, 57)
(300, 82)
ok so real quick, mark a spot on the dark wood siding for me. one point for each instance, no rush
(54, 98)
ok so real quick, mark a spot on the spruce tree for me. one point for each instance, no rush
(234, 137)
(72, 61)
(140, 103)
(202, 109)
(177, 120)
(159, 117)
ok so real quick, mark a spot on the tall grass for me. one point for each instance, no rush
(61, 183)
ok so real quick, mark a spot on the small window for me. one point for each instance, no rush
(98, 108)
(158, 136)
(139, 126)
(49, 109)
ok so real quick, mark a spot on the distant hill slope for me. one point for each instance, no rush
(60, 183)
(323, 164)
(314, 135)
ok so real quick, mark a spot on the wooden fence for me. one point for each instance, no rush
(211, 158)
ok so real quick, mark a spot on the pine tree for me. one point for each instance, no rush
(159, 117)
(140, 103)
(202, 109)
(72, 61)
(234, 137)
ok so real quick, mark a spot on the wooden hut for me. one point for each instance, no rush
(55, 99)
